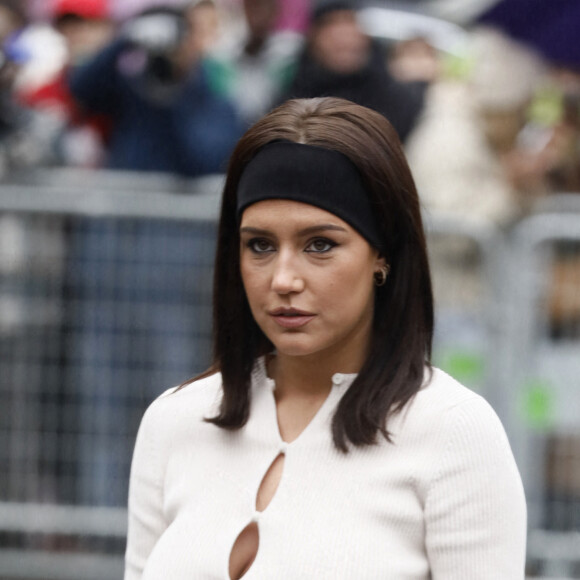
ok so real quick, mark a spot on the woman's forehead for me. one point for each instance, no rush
(278, 214)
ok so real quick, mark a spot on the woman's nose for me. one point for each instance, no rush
(286, 277)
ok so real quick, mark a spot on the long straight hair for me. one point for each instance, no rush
(402, 330)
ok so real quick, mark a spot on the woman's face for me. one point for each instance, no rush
(308, 277)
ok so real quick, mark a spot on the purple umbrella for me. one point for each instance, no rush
(552, 27)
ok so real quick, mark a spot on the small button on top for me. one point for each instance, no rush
(337, 378)
(256, 517)
(283, 447)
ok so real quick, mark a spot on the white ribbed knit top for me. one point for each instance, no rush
(444, 501)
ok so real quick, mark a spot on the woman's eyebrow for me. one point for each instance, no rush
(318, 228)
(255, 231)
(321, 228)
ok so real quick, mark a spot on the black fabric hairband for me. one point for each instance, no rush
(321, 177)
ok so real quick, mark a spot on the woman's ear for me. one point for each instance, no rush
(380, 262)
(382, 270)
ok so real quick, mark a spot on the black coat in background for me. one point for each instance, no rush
(372, 87)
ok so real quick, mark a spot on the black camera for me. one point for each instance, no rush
(158, 33)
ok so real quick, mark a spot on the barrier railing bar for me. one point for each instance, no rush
(554, 545)
(539, 228)
(110, 180)
(35, 565)
(558, 203)
(55, 519)
(107, 203)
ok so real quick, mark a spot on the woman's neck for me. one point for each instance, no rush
(307, 377)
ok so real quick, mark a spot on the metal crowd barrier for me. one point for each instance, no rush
(541, 364)
(464, 256)
(105, 301)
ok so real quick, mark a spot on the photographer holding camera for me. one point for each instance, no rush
(154, 85)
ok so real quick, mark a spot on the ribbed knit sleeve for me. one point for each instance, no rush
(146, 521)
(475, 513)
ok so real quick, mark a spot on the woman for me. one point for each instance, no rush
(322, 444)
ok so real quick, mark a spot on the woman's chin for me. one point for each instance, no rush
(294, 346)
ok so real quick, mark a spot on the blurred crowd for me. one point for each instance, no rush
(490, 127)
(171, 87)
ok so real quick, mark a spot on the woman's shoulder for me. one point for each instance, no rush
(441, 392)
(189, 402)
(452, 429)
(445, 405)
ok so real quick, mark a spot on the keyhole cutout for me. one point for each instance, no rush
(244, 551)
(245, 548)
(270, 483)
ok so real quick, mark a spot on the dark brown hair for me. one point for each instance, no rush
(403, 316)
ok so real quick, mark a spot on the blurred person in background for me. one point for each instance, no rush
(459, 173)
(205, 22)
(543, 155)
(504, 119)
(545, 160)
(152, 81)
(86, 27)
(256, 65)
(414, 60)
(340, 60)
(494, 139)
(500, 122)
(470, 111)
(26, 139)
(136, 286)
(564, 173)
(12, 18)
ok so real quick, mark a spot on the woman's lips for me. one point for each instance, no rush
(291, 317)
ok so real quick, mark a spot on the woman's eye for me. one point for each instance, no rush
(260, 245)
(320, 245)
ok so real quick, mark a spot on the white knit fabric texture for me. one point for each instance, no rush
(443, 501)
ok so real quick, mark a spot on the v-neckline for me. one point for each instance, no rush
(340, 383)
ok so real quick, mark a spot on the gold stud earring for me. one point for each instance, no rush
(381, 275)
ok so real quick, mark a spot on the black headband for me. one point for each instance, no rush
(321, 177)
